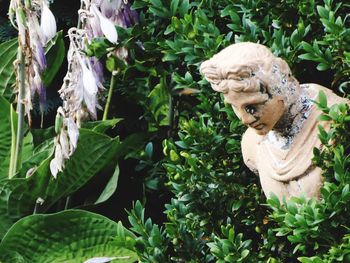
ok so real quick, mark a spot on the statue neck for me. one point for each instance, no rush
(291, 123)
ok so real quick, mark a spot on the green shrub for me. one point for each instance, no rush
(212, 189)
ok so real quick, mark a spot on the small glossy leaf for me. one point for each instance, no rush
(110, 188)
(322, 99)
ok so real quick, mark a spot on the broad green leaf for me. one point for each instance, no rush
(101, 126)
(55, 53)
(8, 53)
(41, 153)
(18, 196)
(6, 188)
(28, 146)
(72, 236)
(5, 137)
(110, 188)
(41, 135)
(94, 152)
(8, 127)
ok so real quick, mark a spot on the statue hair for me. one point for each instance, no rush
(242, 67)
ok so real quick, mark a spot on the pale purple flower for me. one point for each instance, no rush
(73, 133)
(108, 8)
(40, 55)
(97, 69)
(129, 16)
(106, 25)
(56, 164)
(93, 28)
(84, 77)
(36, 86)
(63, 141)
(42, 98)
(89, 81)
(91, 103)
(48, 22)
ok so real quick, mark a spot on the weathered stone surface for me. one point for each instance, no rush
(281, 118)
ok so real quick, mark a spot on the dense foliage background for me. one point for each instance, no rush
(178, 146)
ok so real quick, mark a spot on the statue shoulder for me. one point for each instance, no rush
(331, 96)
(250, 142)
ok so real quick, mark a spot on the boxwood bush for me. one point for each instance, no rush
(217, 212)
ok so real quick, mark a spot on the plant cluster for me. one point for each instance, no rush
(182, 140)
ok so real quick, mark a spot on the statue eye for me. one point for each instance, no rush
(250, 109)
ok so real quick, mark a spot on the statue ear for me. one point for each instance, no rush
(264, 89)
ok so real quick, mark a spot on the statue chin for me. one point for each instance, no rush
(262, 131)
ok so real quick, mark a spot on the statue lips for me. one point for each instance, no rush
(256, 125)
(259, 127)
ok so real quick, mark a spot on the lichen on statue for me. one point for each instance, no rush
(280, 115)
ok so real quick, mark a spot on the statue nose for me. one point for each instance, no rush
(247, 118)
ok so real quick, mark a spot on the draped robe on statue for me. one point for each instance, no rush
(288, 171)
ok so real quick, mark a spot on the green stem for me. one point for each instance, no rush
(20, 105)
(109, 98)
(12, 165)
(66, 205)
(17, 153)
(79, 18)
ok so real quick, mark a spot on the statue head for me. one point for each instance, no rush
(258, 85)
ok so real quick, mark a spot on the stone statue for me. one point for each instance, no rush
(281, 118)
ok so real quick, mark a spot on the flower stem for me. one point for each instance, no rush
(20, 105)
(109, 98)
(67, 204)
(17, 153)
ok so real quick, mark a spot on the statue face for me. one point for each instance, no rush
(257, 110)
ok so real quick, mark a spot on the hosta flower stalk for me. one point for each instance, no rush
(31, 62)
(83, 81)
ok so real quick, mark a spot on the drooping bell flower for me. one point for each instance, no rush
(47, 22)
(97, 69)
(108, 7)
(89, 81)
(130, 17)
(90, 88)
(57, 164)
(42, 99)
(107, 27)
(40, 55)
(73, 133)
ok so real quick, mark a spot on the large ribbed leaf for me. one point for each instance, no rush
(18, 196)
(94, 151)
(5, 137)
(8, 137)
(70, 236)
(8, 52)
